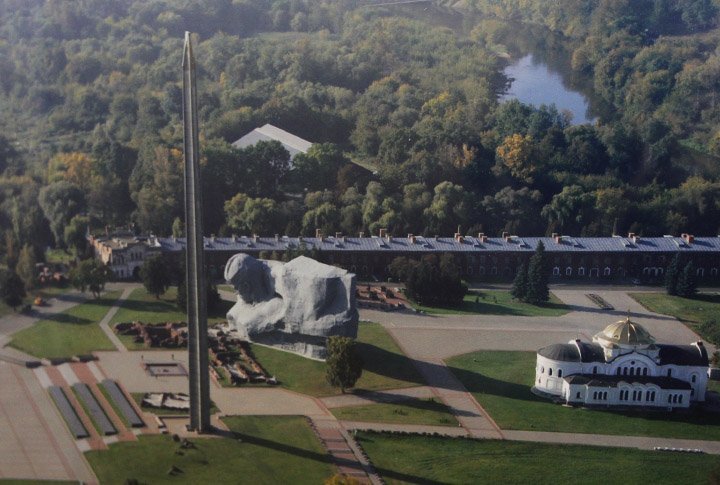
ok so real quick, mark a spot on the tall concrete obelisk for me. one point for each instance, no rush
(196, 294)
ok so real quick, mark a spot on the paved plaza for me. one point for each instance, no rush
(35, 444)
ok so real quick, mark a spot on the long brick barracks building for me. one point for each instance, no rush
(479, 256)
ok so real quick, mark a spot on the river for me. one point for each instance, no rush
(538, 62)
(534, 82)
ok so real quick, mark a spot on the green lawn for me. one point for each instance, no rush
(412, 411)
(72, 332)
(262, 450)
(501, 382)
(435, 460)
(144, 307)
(45, 292)
(385, 366)
(693, 311)
(498, 302)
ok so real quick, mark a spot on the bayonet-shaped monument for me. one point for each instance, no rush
(196, 295)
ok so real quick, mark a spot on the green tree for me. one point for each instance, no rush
(60, 202)
(672, 273)
(75, 232)
(344, 364)
(538, 291)
(155, 275)
(687, 281)
(12, 289)
(520, 284)
(90, 274)
(26, 267)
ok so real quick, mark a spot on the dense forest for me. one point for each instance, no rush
(409, 134)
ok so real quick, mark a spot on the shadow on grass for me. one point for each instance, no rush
(477, 383)
(64, 318)
(389, 364)
(428, 404)
(319, 457)
(164, 305)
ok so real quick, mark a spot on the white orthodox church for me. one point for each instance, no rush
(623, 366)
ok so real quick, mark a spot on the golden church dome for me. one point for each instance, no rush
(625, 332)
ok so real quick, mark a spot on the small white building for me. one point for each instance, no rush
(293, 144)
(623, 366)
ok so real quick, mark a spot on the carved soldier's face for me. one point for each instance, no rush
(249, 277)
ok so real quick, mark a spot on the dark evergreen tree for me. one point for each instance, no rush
(12, 289)
(538, 291)
(344, 365)
(687, 281)
(672, 273)
(155, 275)
(520, 284)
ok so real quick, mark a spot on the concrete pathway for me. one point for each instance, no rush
(373, 397)
(105, 322)
(407, 428)
(443, 336)
(464, 407)
(640, 442)
(34, 442)
(344, 451)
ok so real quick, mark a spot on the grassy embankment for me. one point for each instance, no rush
(385, 365)
(435, 460)
(498, 302)
(144, 307)
(501, 382)
(262, 450)
(72, 332)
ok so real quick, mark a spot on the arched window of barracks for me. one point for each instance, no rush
(556, 271)
(700, 272)
(714, 272)
(469, 270)
(481, 270)
(568, 271)
(581, 271)
(606, 271)
(493, 270)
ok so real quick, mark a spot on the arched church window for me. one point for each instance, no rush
(559, 372)
(549, 371)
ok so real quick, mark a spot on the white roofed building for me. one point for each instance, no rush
(293, 144)
(623, 367)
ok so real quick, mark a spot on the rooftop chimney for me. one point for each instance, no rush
(557, 237)
(318, 234)
(361, 235)
(411, 238)
(505, 234)
(382, 232)
(277, 237)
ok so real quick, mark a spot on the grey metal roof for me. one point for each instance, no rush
(468, 244)
(293, 144)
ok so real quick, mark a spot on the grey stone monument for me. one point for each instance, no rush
(196, 296)
(292, 306)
